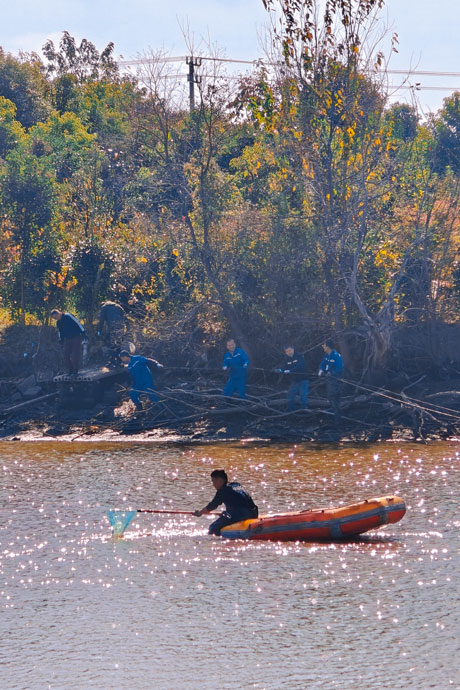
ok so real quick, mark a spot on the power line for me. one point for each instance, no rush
(419, 87)
(260, 62)
(229, 77)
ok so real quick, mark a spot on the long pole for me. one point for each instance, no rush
(170, 512)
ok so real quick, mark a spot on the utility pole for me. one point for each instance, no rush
(192, 78)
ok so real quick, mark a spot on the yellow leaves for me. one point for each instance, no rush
(71, 283)
(386, 257)
(378, 141)
(141, 260)
(351, 133)
(175, 252)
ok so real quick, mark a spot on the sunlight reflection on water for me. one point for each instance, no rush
(169, 607)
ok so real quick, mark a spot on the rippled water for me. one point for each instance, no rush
(170, 608)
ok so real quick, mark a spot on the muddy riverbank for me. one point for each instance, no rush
(195, 410)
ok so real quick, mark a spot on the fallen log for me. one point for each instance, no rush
(41, 398)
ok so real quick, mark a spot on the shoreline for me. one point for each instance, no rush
(191, 414)
(174, 439)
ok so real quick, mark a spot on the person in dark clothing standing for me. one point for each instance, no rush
(331, 367)
(71, 335)
(141, 375)
(295, 369)
(238, 503)
(111, 327)
(236, 361)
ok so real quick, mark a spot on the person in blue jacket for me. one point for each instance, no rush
(331, 367)
(295, 369)
(141, 375)
(238, 503)
(236, 362)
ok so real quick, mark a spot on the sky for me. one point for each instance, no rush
(427, 31)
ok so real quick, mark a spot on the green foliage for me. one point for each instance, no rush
(33, 282)
(26, 195)
(92, 268)
(446, 151)
(84, 60)
(307, 204)
(11, 131)
(404, 121)
(63, 144)
(22, 83)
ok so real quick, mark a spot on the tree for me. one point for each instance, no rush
(446, 129)
(92, 268)
(83, 61)
(332, 114)
(22, 83)
(189, 188)
(27, 200)
(11, 131)
(33, 285)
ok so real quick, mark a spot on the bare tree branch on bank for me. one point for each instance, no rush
(196, 192)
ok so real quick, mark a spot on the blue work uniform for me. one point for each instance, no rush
(142, 378)
(295, 368)
(332, 366)
(238, 506)
(237, 363)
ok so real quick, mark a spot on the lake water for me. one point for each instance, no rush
(168, 607)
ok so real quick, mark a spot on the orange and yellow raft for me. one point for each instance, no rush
(329, 523)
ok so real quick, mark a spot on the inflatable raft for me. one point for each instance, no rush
(321, 524)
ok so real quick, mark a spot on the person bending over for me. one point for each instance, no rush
(71, 336)
(238, 503)
(141, 376)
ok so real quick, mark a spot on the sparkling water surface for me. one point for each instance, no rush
(168, 607)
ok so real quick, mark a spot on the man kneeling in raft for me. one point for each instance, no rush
(238, 503)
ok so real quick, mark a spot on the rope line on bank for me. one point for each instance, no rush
(407, 400)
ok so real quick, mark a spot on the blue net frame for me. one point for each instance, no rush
(120, 519)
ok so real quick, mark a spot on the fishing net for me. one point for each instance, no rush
(120, 519)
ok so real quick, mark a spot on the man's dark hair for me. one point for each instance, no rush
(289, 346)
(329, 343)
(221, 474)
(125, 353)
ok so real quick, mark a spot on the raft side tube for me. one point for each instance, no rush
(330, 523)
